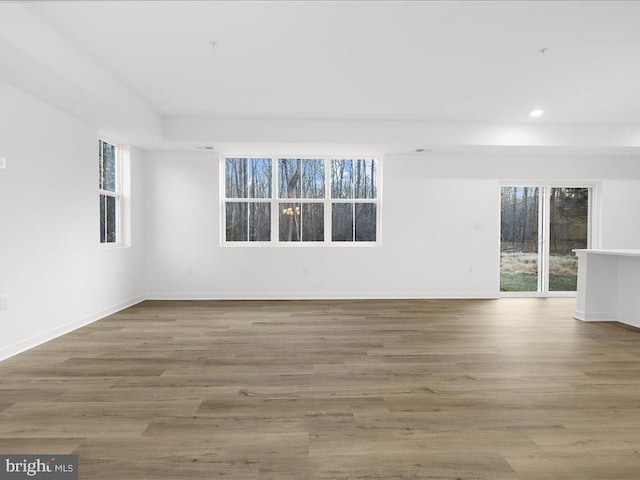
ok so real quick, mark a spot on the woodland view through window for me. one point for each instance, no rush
(300, 200)
(109, 188)
(539, 228)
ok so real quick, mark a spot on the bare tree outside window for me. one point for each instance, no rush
(237, 221)
(246, 179)
(353, 221)
(341, 181)
(313, 179)
(258, 192)
(536, 245)
(289, 178)
(109, 189)
(365, 222)
(313, 222)
(568, 230)
(342, 222)
(519, 239)
(290, 222)
(301, 178)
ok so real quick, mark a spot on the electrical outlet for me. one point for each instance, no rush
(469, 269)
(478, 225)
(189, 270)
(4, 303)
(3, 163)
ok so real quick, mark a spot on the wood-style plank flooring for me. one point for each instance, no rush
(437, 389)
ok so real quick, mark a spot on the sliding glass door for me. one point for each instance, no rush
(519, 239)
(568, 229)
(540, 225)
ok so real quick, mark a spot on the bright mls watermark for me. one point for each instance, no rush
(49, 467)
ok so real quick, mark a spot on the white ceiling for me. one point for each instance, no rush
(430, 61)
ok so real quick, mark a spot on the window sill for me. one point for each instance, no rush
(300, 244)
(114, 246)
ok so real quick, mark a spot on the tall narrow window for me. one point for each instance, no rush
(539, 229)
(303, 180)
(354, 204)
(248, 187)
(110, 192)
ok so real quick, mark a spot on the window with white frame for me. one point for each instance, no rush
(109, 191)
(312, 200)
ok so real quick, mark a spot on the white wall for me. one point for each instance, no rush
(56, 274)
(430, 207)
(58, 277)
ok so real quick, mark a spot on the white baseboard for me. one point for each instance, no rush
(595, 317)
(321, 296)
(538, 294)
(632, 319)
(49, 335)
(32, 342)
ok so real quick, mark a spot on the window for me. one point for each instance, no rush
(353, 207)
(248, 183)
(295, 200)
(110, 193)
(540, 226)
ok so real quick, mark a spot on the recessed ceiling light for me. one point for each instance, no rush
(536, 113)
(205, 147)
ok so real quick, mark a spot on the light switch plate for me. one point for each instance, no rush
(3, 163)
(4, 303)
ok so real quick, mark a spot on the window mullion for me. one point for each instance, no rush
(248, 218)
(118, 220)
(327, 201)
(275, 207)
(546, 225)
(353, 221)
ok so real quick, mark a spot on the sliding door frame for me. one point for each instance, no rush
(593, 230)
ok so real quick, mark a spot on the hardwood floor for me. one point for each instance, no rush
(437, 389)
